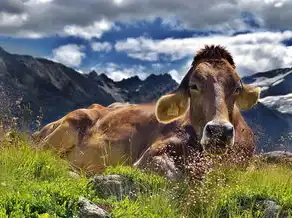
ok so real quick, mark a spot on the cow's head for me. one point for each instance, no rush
(209, 96)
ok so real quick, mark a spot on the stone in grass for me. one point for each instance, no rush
(90, 210)
(270, 209)
(278, 157)
(115, 185)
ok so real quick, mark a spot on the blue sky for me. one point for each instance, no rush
(123, 38)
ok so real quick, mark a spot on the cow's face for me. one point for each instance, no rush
(209, 92)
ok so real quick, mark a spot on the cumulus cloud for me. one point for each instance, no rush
(90, 31)
(12, 6)
(101, 46)
(70, 55)
(178, 74)
(252, 52)
(83, 18)
(118, 72)
(12, 20)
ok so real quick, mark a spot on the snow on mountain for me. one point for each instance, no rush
(281, 103)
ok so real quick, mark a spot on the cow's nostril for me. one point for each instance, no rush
(219, 131)
(213, 129)
(228, 131)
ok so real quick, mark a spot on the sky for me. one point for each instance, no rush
(124, 38)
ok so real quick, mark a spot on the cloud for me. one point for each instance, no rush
(90, 31)
(12, 6)
(83, 18)
(118, 72)
(35, 2)
(252, 52)
(12, 20)
(178, 75)
(70, 55)
(101, 46)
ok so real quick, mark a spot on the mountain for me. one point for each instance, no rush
(271, 118)
(56, 89)
(133, 89)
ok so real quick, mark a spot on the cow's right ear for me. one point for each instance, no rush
(171, 107)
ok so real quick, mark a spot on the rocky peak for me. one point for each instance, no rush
(93, 75)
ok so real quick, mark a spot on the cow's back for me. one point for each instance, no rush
(123, 134)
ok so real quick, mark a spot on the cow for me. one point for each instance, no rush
(202, 115)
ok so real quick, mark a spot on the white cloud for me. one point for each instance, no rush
(33, 2)
(117, 72)
(82, 18)
(80, 71)
(70, 55)
(178, 75)
(252, 52)
(101, 46)
(90, 31)
(12, 20)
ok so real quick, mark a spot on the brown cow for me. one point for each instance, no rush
(202, 114)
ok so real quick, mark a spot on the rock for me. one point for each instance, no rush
(270, 208)
(74, 174)
(90, 210)
(278, 157)
(115, 185)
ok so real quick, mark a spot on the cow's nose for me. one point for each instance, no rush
(223, 132)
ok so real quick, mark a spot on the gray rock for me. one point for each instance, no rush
(278, 156)
(270, 209)
(90, 210)
(115, 185)
(74, 174)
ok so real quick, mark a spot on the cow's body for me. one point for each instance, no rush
(162, 139)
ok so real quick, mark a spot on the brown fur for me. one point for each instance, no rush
(161, 137)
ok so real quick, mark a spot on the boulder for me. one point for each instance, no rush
(90, 210)
(115, 185)
(278, 157)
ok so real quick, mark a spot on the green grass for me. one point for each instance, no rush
(232, 192)
(36, 183)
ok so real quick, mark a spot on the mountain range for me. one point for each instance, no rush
(31, 87)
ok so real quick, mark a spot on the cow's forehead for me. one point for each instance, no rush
(216, 69)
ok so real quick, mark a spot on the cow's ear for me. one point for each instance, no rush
(171, 107)
(248, 97)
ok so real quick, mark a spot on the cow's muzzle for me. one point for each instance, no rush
(217, 137)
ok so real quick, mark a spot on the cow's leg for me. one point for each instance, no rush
(155, 160)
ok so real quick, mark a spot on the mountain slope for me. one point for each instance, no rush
(271, 118)
(58, 89)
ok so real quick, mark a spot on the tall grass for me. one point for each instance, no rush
(36, 183)
(234, 192)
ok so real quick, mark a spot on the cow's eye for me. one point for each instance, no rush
(237, 90)
(194, 87)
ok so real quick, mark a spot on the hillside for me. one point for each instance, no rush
(271, 118)
(57, 89)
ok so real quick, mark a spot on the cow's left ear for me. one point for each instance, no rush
(171, 107)
(248, 97)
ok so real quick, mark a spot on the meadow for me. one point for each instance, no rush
(38, 183)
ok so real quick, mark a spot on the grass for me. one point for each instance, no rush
(232, 192)
(36, 183)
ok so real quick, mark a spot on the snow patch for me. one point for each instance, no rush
(282, 103)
